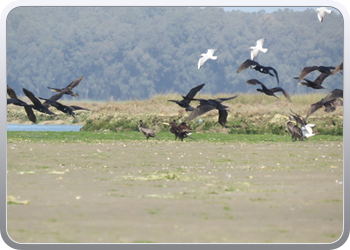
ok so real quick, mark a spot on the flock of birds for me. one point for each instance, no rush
(43, 107)
(296, 124)
(183, 130)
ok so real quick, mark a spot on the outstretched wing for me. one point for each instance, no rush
(199, 110)
(279, 89)
(247, 63)
(193, 92)
(11, 92)
(31, 96)
(75, 83)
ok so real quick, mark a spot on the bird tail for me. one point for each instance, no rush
(214, 57)
(264, 50)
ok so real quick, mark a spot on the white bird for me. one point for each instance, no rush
(321, 12)
(205, 57)
(257, 48)
(307, 130)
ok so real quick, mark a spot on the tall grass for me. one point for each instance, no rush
(248, 114)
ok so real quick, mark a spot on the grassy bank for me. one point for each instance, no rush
(249, 114)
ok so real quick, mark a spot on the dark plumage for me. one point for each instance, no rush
(307, 70)
(37, 105)
(256, 66)
(69, 87)
(15, 101)
(294, 130)
(267, 91)
(316, 84)
(210, 104)
(330, 102)
(181, 131)
(185, 102)
(59, 106)
(147, 131)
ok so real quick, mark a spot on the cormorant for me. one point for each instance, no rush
(180, 131)
(61, 107)
(14, 100)
(256, 66)
(69, 87)
(267, 91)
(185, 102)
(294, 130)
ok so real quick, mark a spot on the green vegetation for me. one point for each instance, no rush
(92, 137)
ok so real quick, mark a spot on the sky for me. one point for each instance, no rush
(272, 9)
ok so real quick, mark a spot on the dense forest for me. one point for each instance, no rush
(128, 53)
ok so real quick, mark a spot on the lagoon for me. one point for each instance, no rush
(46, 127)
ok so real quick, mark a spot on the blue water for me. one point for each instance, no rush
(38, 127)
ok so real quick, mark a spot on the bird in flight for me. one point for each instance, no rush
(205, 57)
(258, 47)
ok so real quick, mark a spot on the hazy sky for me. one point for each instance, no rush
(271, 9)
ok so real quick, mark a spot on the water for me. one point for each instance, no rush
(38, 127)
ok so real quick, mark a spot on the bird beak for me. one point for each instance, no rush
(165, 123)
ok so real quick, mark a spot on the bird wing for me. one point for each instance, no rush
(260, 43)
(226, 99)
(199, 110)
(223, 117)
(274, 71)
(338, 69)
(73, 107)
(306, 71)
(202, 60)
(31, 96)
(11, 92)
(321, 78)
(30, 113)
(279, 89)
(313, 108)
(253, 53)
(336, 93)
(210, 52)
(193, 92)
(55, 89)
(247, 63)
(75, 83)
(255, 82)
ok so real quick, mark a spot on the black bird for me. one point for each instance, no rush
(262, 69)
(316, 84)
(147, 131)
(182, 131)
(298, 118)
(68, 89)
(185, 102)
(61, 107)
(330, 102)
(74, 107)
(294, 130)
(307, 70)
(14, 100)
(267, 91)
(37, 105)
(206, 105)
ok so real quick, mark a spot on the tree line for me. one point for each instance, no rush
(127, 53)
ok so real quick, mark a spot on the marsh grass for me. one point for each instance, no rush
(248, 114)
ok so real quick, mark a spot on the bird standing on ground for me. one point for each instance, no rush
(294, 130)
(180, 131)
(321, 12)
(258, 47)
(185, 102)
(205, 57)
(271, 91)
(146, 131)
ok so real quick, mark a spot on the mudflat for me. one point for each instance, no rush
(175, 192)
